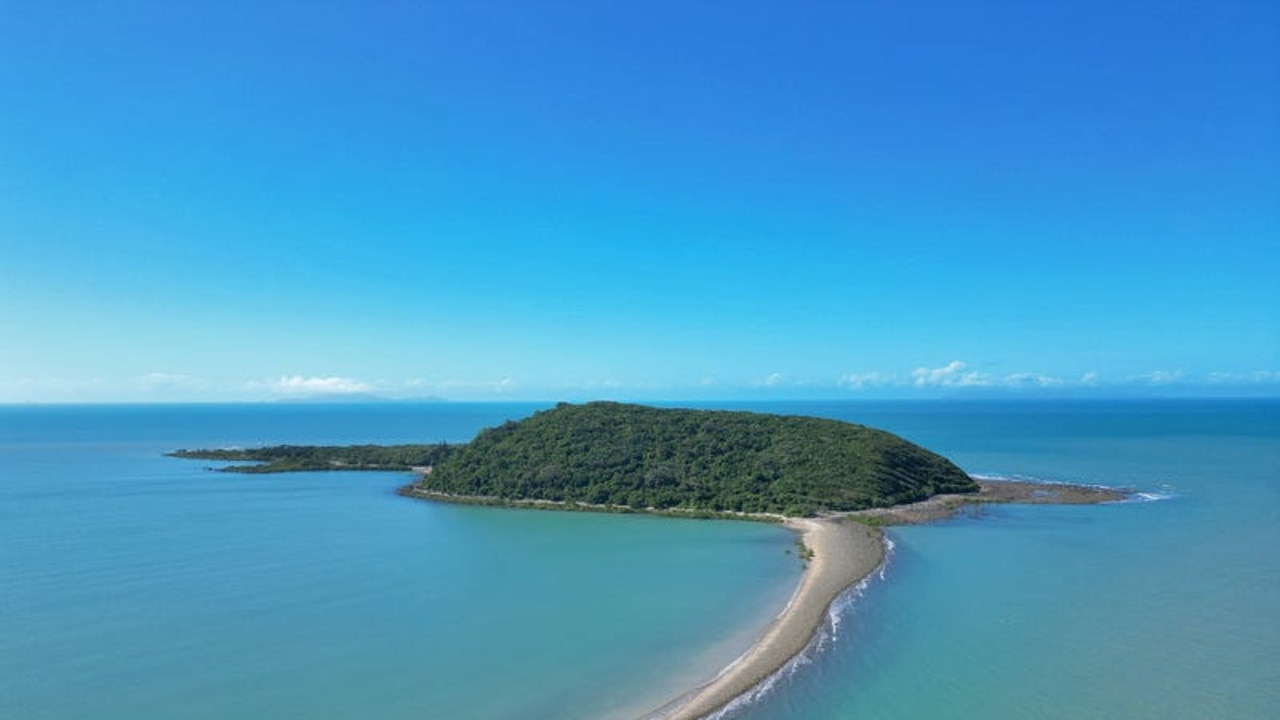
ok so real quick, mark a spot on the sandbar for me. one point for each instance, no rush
(843, 552)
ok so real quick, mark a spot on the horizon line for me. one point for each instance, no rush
(339, 401)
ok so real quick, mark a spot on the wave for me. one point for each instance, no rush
(825, 636)
(1017, 477)
(1165, 492)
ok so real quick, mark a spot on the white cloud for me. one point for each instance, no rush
(296, 384)
(953, 374)
(773, 380)
(1089, 379)
(1159, 377)
(857, 381)
(1026, 378)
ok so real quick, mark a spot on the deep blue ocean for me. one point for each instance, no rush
(138, 586)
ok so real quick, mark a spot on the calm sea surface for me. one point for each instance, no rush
(138, 586)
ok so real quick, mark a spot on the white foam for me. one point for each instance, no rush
(826, 635)
(1014, 477)
(1166, 492)
(1144, 497)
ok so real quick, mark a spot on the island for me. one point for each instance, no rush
(311, 458)
(835, 483)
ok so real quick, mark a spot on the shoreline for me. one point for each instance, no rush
(415, 491)
(990, 491)
(843, 549)
(843, 553)
(846, 549)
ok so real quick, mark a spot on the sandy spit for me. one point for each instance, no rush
(844, 552)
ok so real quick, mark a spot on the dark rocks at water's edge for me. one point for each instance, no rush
(943, 506)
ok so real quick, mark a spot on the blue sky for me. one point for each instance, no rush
(542, 200)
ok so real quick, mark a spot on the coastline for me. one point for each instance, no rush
(846, 549)
(843, 553)
(843, 549)
(1022, 492)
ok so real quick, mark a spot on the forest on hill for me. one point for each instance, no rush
(638, 457)
(303, 458)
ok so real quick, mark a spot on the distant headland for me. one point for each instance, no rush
(833, 482)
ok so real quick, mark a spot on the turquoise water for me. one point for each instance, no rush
(136, 586)
(1161, 609)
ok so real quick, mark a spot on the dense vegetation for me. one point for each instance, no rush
(639, 457)
(294, 458)
(619, 456)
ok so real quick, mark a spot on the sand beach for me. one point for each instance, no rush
(843, 552)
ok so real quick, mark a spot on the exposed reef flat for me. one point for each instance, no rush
(941, 507)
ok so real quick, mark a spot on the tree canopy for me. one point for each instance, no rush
(639, 457)
(298, 458)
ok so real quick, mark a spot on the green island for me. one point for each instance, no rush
(309, 458)
(613, 457)
(622, 457)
